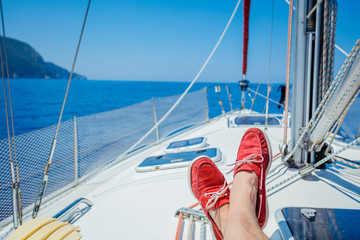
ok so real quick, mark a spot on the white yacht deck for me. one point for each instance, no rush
(132, 205)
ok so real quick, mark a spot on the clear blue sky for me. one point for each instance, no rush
(163, 40)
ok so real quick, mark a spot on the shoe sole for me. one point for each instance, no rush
(267, 170)
(192, 192)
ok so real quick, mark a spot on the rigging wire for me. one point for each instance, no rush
(19, 202)
(321, 108)
(253, 99)
(337, 124)
(13, 179)
(341, 119)
(313, 9)
(45, 177)
(311, 168)
(342, 50)
(269, 70)
(188, 88)
(335, 83)
(16, 195)
(263, 96)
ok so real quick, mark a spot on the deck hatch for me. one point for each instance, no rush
(176, 160)
(255, 120)
(186, 145)
(322, 223)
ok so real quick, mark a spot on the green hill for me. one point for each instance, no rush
(25, 62)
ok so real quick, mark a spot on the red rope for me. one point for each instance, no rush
(178, 228)
(246, 34)
(288, 70)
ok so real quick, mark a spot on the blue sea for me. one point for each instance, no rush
(37, 102)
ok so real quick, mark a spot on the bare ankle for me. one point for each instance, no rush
(248, 182)
(219, 216)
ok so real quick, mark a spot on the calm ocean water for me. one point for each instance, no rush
(37, 102)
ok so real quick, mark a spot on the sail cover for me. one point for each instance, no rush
(246, 34)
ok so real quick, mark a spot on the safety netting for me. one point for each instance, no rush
(101, 138)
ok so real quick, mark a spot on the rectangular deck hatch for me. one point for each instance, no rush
(176, 160)
(318, 223)
(255, 120)
(186, 145)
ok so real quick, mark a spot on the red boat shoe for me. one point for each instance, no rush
(209, 186)
(254, 154)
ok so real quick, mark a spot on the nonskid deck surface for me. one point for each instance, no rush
(132, 205)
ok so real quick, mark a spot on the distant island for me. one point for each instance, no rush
(25, 62)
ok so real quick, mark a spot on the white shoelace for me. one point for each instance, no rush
(249, 159)
(215, 196)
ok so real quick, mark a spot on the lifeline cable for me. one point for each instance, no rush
(45, 177)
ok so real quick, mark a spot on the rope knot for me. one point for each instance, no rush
(252, 158)
(215, 196)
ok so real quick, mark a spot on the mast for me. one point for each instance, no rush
(312, 69)
(243, 84)
(300, 79)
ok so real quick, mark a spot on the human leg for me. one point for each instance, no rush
(248, 209)
(241, 220)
